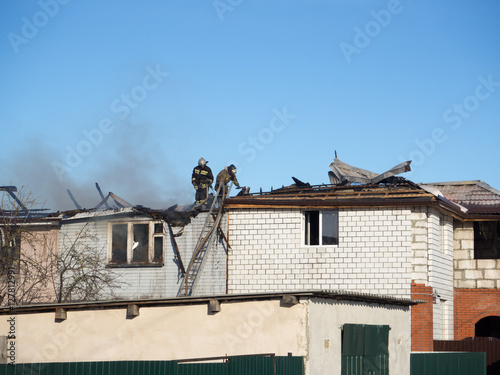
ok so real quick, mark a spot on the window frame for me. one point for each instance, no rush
(306, 227)
(491, 233)
(152, 259)
(13, 261)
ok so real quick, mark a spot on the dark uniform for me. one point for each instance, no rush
(226, 175)
(202, 179)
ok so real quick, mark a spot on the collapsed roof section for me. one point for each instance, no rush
(343, 173)
(17, 209)
(398, 193)
(352, 187)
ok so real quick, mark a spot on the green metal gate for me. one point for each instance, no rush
(365, 349)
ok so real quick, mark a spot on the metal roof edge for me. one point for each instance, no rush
(151, 302)
(480, 183)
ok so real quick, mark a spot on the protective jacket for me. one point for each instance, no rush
(202, 177)
(225, 176)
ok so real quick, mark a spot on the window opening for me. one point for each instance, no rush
(486, 240)
(136, 243)
(321, 227)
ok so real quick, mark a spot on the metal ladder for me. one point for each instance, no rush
(205, 241)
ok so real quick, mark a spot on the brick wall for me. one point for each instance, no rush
(267, 254)
(422, 318)
(471, 305)
(470, 272)
(432, 264)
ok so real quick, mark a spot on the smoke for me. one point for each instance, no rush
(129, 162)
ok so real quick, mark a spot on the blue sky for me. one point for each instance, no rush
(130, 94)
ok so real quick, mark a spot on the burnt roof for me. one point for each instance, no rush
(396, 191)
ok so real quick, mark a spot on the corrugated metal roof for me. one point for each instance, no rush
(307, 294)
(477, 196)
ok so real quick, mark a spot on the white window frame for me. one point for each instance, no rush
(151, 243)
(305, 224)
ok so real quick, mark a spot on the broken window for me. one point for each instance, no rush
(486, 240)
(136, 243)
(321, 227)
(10, 251)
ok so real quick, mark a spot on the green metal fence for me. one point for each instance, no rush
(440, 363)
(92, 368)
(237, 365)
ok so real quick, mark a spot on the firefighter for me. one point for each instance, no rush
(202, 179)
(224, 176)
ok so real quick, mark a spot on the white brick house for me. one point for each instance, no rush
(366, 238)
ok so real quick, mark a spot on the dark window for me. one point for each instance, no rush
(10, 251)
(487, 240)
(140, 246)
(321, 227)
(136, 243)
(158, 250)
(119, 247)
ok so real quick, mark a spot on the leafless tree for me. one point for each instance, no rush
(40, 264)
(81, 268)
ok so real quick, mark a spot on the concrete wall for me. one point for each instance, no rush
(168, 332)
(373, 255)
(326, 319)
(188, 331)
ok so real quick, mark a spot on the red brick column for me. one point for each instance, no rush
(422, 319)
(470, 306)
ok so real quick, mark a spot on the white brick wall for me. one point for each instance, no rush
(432, 249)
(470, 272)
(373, 255)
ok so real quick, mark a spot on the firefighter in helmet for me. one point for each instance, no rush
(226, 175)
(202, 179)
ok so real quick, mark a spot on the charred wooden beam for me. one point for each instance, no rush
(102, 195)
(78, 207)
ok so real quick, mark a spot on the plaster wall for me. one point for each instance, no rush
(161, 333)
(326, 318)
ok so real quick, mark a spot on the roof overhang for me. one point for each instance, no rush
(225, 298)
